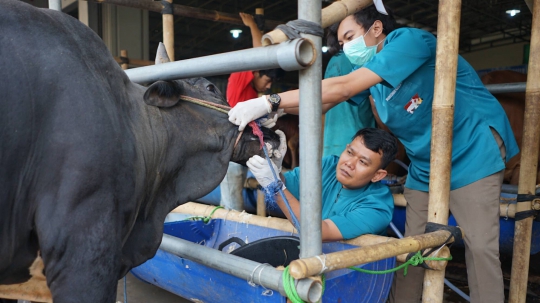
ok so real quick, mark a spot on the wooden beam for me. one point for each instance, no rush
(185, 11)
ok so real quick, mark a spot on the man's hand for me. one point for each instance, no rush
(248, 20)
(261, 170)
(279, 154)
(247, 111)
(271, 119)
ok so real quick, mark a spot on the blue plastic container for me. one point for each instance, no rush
(195, 281)
(506, 238)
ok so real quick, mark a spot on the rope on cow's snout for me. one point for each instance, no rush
(220, 108)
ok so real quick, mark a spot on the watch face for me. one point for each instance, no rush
(274, 98)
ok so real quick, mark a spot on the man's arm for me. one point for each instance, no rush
(256, 34)
(330, 232)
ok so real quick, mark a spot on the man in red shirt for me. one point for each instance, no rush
(244, 86)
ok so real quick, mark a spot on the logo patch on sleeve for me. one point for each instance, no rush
(413, 104)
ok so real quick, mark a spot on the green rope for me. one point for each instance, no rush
(415, 260)
(204, 219)
(290, 289)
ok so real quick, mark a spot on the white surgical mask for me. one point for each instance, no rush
(358, 52)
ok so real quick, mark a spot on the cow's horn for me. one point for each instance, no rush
(161, 55)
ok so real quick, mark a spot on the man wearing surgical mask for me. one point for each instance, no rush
(398, 69)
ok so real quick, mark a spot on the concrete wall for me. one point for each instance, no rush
(508, 55)
(126, 28)
(120, 27)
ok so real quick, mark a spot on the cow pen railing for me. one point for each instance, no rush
(292, 55)
(262, 274)
(310, 130)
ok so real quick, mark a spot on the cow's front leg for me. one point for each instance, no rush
(81, 251)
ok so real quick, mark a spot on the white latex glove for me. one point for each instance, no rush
(271, 119)
(244, 112)
(279, 154)
(261, 170)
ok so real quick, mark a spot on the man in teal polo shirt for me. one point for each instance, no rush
(398, 69)
(353, 201)
(343, 120)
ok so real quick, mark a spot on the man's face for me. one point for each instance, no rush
(261, 83)
(358, 165)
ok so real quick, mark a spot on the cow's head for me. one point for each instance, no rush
(168, 96)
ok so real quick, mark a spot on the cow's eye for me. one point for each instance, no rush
(211, 88)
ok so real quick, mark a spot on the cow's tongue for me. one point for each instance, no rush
(257, 132)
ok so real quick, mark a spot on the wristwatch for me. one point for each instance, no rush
(274, 100)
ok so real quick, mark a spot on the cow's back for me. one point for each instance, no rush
(61, 94)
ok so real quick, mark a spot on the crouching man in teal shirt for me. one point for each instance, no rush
(353, 201)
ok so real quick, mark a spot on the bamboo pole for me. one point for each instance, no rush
(261, 206)
(168, 29)
(527, 174)
(507, 209)
(124, 59)
(197, 209)
(312, 266)
(331, 14)
(442, 127)
(184, 11)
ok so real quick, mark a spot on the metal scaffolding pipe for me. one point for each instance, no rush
(529, 167)
(293, 55)
(55, 5)
(311, 141)
(518, 87)
(261, 274)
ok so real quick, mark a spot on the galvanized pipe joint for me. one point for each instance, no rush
(262, 274)
(291, 55)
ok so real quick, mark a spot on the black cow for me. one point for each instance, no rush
(91, 163)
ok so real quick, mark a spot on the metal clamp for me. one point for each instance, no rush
(323, 262)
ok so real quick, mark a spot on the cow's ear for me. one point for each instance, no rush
(162, 94)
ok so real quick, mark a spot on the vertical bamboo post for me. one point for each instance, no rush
(442, 126)
(261, 207)
(168, 27)
(527, 174)
(310, 140)
(124, 58)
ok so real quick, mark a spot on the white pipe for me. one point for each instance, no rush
(310, 141)
(264, 275)
(291, 55)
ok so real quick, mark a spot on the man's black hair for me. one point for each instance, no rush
(275, 74)
(367, 16)
(379, 141)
